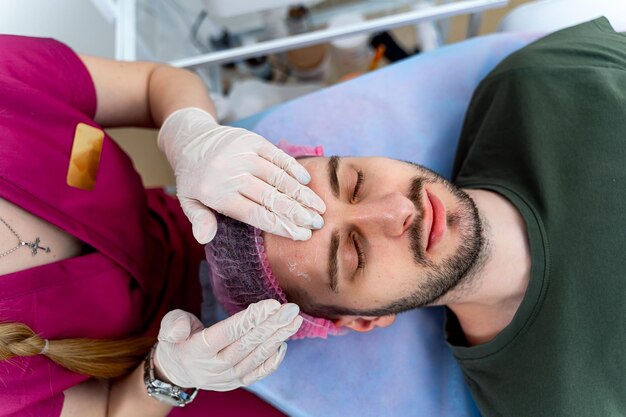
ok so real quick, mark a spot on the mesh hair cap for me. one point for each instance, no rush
(239, 270)
(240, 274)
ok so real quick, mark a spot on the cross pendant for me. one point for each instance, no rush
(34, 246)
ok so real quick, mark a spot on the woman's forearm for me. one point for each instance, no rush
(129, 397)
(126, 396)
(171, 89)
(142, 93)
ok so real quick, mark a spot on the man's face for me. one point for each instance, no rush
(393, 231)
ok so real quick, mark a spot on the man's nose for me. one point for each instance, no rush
(390, 214)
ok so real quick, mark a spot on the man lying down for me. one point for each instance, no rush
(524, 248)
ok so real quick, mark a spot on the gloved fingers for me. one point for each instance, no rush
(283, 205)
(269, 334)
(278, 178)
(266, 368)
(253, 213)
(265, 350)
(228, 331)
(274, 212)
(203, 221)
(177, 326)
(284, 161)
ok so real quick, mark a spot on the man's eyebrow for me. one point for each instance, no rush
(332, 261)
(333, 165)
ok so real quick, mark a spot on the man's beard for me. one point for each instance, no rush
(439, 279)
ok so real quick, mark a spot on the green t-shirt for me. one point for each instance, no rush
(547, 130)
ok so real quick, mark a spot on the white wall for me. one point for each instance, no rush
(77, 23)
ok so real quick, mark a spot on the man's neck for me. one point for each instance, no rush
(486, 302)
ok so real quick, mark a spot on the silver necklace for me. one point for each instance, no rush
(34, 246)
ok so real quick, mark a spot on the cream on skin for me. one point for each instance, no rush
(377, 222)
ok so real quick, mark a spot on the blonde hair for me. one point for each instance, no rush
(100, 358)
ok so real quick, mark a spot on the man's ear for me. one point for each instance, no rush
(364, 324)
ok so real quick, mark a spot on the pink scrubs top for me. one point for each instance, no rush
(145, 261)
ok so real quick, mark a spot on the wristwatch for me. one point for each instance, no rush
(165, 392)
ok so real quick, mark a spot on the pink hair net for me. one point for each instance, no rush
(239, 269)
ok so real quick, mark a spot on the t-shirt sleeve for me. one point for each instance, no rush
(548, 70)
(50, 67)
(594, 44)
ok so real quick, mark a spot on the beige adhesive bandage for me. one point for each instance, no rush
(85, 157)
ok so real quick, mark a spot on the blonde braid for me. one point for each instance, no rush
(100, 358)
(17, 339)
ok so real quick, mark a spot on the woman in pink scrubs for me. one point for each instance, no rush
(85, 251)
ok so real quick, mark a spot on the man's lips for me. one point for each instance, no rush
(435, 220)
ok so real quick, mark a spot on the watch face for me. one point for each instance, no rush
(164, 392)
(166, 398)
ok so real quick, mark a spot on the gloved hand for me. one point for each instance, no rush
(239, 174)
(235, 352)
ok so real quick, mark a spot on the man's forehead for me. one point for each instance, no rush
(355, 158)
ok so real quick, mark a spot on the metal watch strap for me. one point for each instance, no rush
(165, 392)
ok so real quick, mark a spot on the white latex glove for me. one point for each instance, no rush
(235, 352)
(237, 173)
